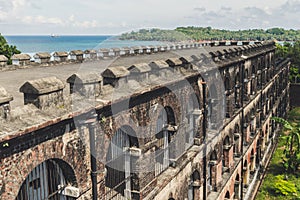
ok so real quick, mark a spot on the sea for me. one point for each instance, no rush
(51, 43)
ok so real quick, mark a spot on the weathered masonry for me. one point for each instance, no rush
(192, 126)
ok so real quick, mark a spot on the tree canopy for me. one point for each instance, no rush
(6, 49)
(209, 33)
(292, 51)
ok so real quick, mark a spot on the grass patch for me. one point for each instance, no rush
(267, 190)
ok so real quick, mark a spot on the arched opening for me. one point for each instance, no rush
(267, 135)
(226, 154)
(252, 160)
(194, 186)
(253, 122)
(165, 129)
(237, 90)
(246, 85)
(213, 111)
(212, 172)
(227, 83)
(227, 195)
(237, 141)
(229, 103)
(192, 116)
(237, 187)
(253, 80)
(245, 173)
(120, 179)
(49, 181)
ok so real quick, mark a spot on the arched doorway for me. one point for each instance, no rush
(227, 195)
(245, 173)
(164, 131)
(226, 153)
(194, 186)
(49, 181)
(237, 90)
(192, 115)
(212, 172)
(215, 109)
(120, 178)
(237, 141)
(252, 160)
(237, 187)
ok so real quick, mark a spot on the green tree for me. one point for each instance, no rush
(7, 50)
(291, 159)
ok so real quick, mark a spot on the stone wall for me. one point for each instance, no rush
(247, 134)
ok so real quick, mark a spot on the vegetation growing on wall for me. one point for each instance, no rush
(7, 50)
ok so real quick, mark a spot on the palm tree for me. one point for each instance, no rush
(291, 161)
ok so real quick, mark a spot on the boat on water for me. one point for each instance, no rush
(54, 35)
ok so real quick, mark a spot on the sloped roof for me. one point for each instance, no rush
(76, 52)
(116, 49)
(186, 60)
(141, 68)
(42, 86)
(3, 58)
(159, 64)
(125, 49)
(21, 56)
(60, 54)
(104, 50)
(84, 78)
(5, 96)
(90, 51)
(116, 72)
(42, 55)
(174, 61)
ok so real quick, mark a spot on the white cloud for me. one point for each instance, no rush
(284, 15)
(115, 16)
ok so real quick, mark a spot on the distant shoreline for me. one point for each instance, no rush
(43, 43)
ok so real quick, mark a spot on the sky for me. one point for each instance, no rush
(113, 17)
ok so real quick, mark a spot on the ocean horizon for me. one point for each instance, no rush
(46, 43)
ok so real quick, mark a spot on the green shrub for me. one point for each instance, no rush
(284, 187)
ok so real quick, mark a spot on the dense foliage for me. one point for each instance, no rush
(291, 156)
(281, 183)
(208, 33)
(292, 51)
(6, 49)
(155, 35)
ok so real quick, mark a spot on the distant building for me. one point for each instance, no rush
(20, 59)
(76, 55)
(90, 54)
(42, 57)
(60, 56)
(3, 61)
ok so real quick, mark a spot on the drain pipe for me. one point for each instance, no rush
(204, 138)
(91, 126)
(242, 129)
